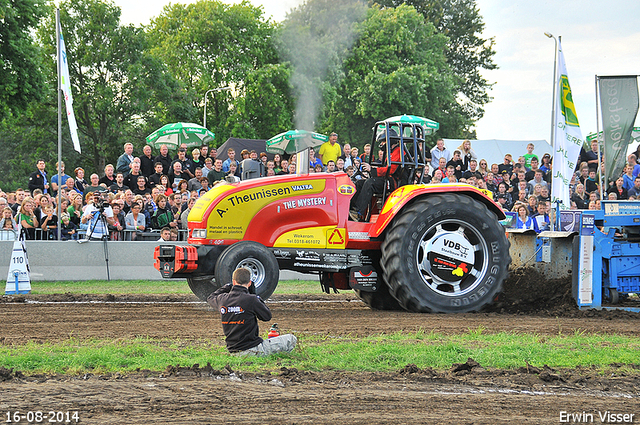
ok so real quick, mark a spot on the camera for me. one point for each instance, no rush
(100, 200)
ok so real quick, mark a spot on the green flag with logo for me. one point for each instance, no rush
(568, 137)
(619, 106)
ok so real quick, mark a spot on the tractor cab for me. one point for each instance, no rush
(406, 168)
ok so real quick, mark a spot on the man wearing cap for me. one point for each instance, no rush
(507, 164)
(331, 150)
(543, 166)
(96, 227)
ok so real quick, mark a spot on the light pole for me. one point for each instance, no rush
(204, 121)
(553, 100)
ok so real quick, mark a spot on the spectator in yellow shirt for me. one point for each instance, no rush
(331, 150)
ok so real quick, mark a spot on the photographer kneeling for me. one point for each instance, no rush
(240, 310)
(98, 215)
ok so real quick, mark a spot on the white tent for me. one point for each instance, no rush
(494, 150)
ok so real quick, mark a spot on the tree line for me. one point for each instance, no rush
(331, 65)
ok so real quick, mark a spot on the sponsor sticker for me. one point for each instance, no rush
(346, 189)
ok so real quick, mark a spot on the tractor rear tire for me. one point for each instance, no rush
(202, 286)
(379, 300)
(255, 257)
(445, 253)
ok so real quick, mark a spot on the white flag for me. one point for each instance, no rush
(568, 137)
(65, 84)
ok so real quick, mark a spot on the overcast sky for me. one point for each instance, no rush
(598, 38)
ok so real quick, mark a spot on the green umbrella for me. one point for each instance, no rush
(430, 126)
(173, 135)
(294, 141)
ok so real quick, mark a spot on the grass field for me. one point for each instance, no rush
(165, 286)
(373, 353)
(379, 353)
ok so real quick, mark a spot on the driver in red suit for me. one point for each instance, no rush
(376, 182)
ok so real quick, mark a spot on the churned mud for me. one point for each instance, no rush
(465, 393)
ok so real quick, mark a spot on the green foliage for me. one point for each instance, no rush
(120, 92)
(267, 108)
(208, 45)
(315, 39)
(21, 78)
(468, 53)
(396, 66)
(331, 66)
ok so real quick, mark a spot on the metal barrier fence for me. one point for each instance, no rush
(114, 235)
(8, 235)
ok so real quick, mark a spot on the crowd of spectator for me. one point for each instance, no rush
(137, 196)
(523, 186)
(147, 193)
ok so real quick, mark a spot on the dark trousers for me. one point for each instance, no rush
(365, 191)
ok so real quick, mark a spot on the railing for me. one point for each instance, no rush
(8, 235)
(114, 235)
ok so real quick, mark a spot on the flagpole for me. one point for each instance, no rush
(599, 168)
(555, 83)
(59, 194)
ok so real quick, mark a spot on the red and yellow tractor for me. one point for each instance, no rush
(422, 248)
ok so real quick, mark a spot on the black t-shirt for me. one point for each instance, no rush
(181, 176)
(165, 161)
(590, 156)
(590, 185)
(530, 175)
(107, 181)
(470, 173)
(132, 181)
(502, 167)
(138, 191)
(187, 165)
(455, 164)
(154, 179)
(115, 188)
(146, 166)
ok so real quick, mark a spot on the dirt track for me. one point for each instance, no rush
(467, 394)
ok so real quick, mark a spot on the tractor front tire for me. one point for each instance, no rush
(445, 253)
(202, 286)
(255, 257)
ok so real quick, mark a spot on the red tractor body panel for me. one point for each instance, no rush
(405, 194)
(264, 210)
